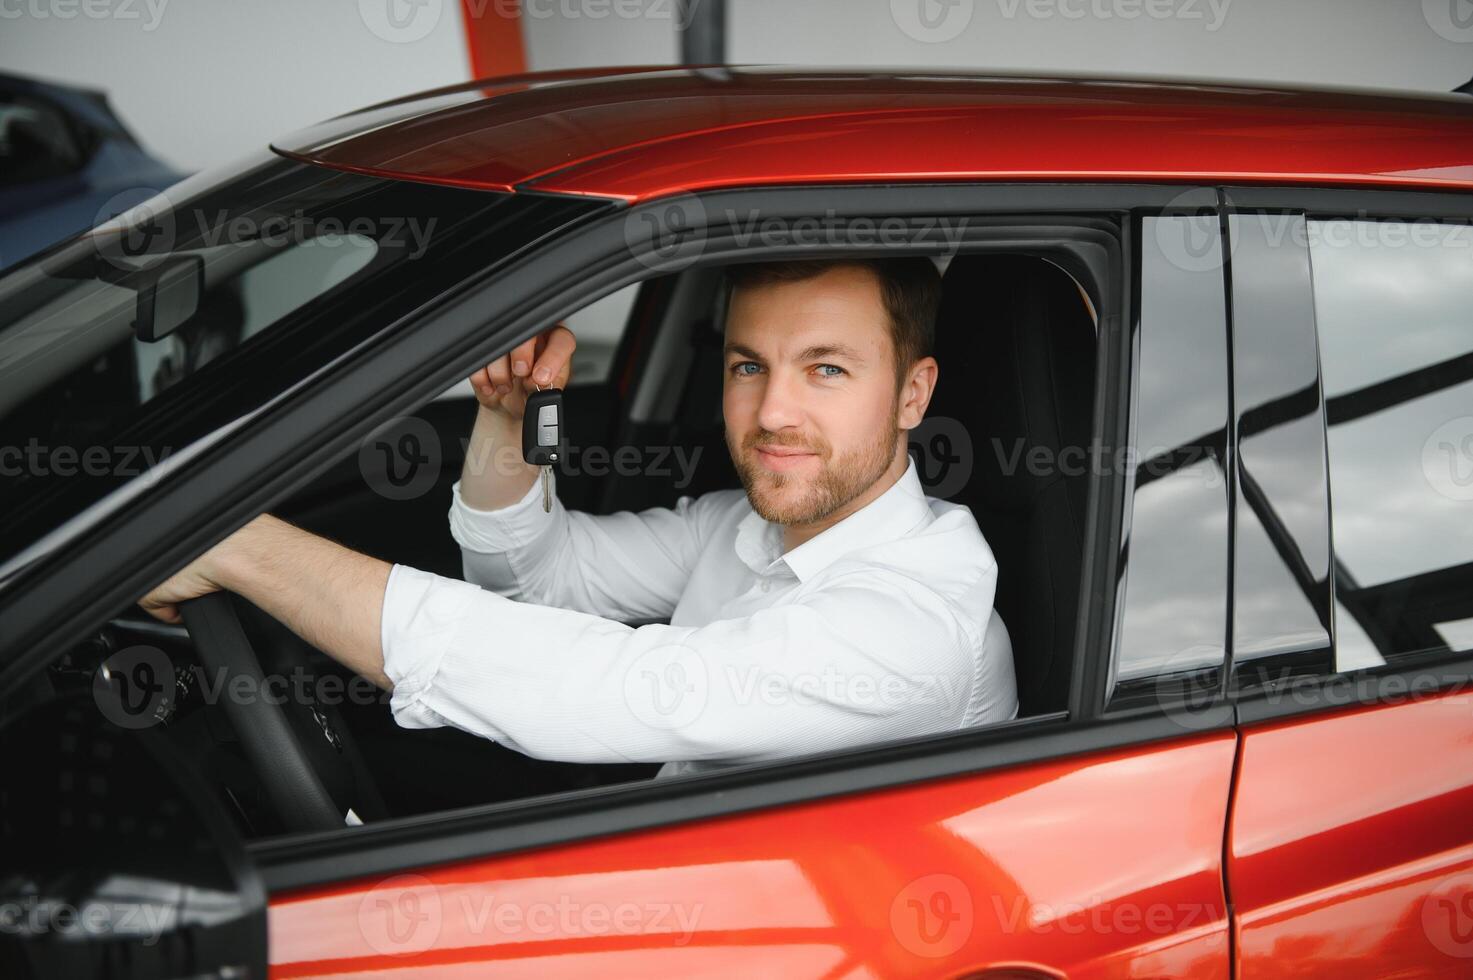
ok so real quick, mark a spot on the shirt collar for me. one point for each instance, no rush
(893, 514)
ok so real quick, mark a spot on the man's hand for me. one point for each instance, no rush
(547, 360)
(205, 574)
(494, 474)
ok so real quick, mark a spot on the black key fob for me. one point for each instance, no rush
(542, 427)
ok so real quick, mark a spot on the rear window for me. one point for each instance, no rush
(1394, 305)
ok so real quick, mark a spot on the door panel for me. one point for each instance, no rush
(1101, 866)
(1352, 843)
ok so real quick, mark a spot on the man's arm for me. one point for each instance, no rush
(870, 656)
(330, 596)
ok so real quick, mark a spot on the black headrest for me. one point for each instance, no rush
(1015, 342)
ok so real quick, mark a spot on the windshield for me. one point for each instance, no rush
(198, 306)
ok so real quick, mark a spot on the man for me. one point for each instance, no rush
(829, 604)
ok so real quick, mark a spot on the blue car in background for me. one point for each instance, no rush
(66, 163)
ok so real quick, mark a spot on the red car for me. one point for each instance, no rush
(1206, 364)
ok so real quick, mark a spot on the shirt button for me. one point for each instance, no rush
(766, 585)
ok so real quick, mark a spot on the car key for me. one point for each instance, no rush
(542, 435)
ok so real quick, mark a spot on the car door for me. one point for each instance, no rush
(1038, 848)
(1351, 848)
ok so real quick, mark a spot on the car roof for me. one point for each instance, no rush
(644, 132)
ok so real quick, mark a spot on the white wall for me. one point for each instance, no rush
(203, 81)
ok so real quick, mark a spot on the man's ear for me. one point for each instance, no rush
(916, 392)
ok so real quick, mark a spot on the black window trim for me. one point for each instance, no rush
(1196, 693)
(523, 297)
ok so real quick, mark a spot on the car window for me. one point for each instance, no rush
(1394, 305)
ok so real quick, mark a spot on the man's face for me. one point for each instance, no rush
(809, 396)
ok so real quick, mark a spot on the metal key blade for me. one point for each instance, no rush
(547, 489)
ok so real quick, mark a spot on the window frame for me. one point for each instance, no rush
(410, 366)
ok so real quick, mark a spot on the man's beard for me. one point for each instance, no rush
(837, 484)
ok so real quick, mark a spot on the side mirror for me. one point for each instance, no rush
(168, 295)
(117, 864)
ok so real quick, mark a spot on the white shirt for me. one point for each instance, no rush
(878, 628)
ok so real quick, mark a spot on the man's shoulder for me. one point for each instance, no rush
(946, 554)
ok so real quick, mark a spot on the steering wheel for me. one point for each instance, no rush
(311, 767)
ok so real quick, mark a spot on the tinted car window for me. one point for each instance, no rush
(1394, 304)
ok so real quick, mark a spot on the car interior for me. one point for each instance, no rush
(1016, 341)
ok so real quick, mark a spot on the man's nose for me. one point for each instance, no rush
(781, 405)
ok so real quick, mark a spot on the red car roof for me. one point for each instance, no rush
(639, 133)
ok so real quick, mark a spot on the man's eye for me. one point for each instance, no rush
(739, 368)
(830, 370)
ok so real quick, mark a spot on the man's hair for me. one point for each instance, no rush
(911, 288)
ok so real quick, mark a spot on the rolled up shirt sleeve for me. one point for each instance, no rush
(860, 655)
(623, 566)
